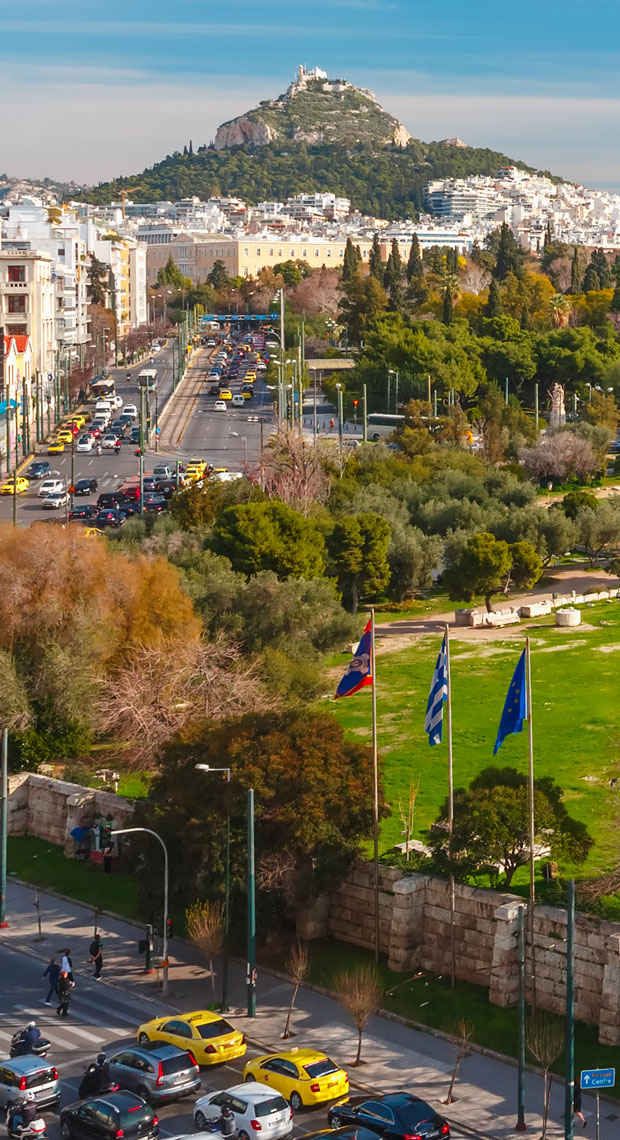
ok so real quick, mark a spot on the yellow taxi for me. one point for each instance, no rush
(78, 419)
(225, 394)
(93, 532)
(302, 1076)
(247, 394)
(250, 376)
(9, 487)
(195, 470)
(55, 446)
(65, 435)
(207, 1035)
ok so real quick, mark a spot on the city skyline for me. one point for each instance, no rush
(98, 94)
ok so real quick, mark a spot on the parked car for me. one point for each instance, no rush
(394, 1115)
(32, 1073)
(255, 1110)
(85, 487)
(156, 1072)
(109, 1116)
(49, 486)
(55, 500)
(38, 470)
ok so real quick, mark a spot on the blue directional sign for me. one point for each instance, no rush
(240, 317)
(598, 1078)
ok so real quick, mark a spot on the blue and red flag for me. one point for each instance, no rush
(359, 669)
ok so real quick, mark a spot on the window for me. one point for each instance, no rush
(258, 251)
(317, 253)
(245, 252)
(177, 1028)
(292, 252)
(17, 304)
(271, 253)
(304, 253)
(377, 1111)
(329, 252)
(17, 274)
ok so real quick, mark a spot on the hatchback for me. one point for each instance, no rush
(219, 406)
(108, 1117)
(85, 487)
(255, 1109)
(110, 517)
(84, 513)
(85, 443)
(156, 1072)
(394, 1115)
(38, 470)
(29, 1074)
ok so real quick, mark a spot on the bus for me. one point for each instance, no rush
(102, 389)
(381, 425)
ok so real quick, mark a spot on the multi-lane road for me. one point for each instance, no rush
(189, 427)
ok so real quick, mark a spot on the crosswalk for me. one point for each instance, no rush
(76, 1033)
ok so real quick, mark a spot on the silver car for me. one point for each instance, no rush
(29, 1074)
(156, 1072)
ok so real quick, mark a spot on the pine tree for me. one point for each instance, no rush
(493, 307)
(191, 147)
(600, 263)
(526, 320)
(576, 272)
(415, 265)
(615, 300)
(350, 262)
(448, 306)
(591, 280)
(375, 264)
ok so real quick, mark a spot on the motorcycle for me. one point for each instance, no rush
(19, 1047)
(96, 1081)
(36, 1129)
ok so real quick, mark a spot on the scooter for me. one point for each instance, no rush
(92, 1083)
(19, 1048)
(17, 1131)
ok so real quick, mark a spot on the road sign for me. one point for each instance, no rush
(157, 430)
(598, 1078)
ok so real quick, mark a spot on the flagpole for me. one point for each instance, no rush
(375, 776)
(450, 805)
(530, 736)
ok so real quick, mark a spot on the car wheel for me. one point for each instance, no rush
(200, 1120)
(250, 1077)
(243, 1135)
(334, 1120)
(296, 1102)
(65, 1130)
(143, 1039)
(143, 1092)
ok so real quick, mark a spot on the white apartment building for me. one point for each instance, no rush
(27, 302)
(127, 261)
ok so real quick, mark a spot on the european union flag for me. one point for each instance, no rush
(515, 707)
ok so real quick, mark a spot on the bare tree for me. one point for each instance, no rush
(296, 968)
(545, 1040)
(205, 927)
(293, 471)
(359, 989)
(464, 1031)
(407, 812)
(560, 455)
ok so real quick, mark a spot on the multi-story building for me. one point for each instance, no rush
(27, 302)
(18, 392)
(126, 259)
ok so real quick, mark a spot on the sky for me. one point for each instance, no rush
(91, 89)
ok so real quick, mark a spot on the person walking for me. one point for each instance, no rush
(67, 965)
(577, 1102)
(96, 956)
(64, 992)
(53, 973)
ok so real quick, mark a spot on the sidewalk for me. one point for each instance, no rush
(395, 1055)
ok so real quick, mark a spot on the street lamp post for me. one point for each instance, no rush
(251, 887)
(207, 768)
(147, 831)
(339, 390)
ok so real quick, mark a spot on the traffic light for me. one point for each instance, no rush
(169, 928)
(105, 835)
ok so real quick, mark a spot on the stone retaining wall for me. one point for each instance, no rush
(50, 809)
(414, 929)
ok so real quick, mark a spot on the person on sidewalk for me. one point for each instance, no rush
(67, 965)
(577, 1102)
(64, 990)
(96, 956)
(53, 973)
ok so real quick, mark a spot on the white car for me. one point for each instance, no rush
(85, 443)
(257, 1111)
(55, 501)
(262, 367)
(109, 441)
(219, 406)
(238, 401)
(116, 402)
(130, 410)
(50, 487)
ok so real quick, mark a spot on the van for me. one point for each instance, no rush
(238, 401)
(162, 471)
(103, 406)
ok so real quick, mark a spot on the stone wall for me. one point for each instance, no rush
(414, 934)
(50, 809)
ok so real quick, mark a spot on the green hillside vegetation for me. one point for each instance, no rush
(383, 183)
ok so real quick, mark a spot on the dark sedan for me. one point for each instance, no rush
(110, 517)
(397, 1115)
(154, 504)
(85, 487)
(84, 513)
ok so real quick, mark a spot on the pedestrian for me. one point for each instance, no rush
(577, 1109)
(53, 973)
(332, 424)
(64, 993)
(96, 956)
(67, 965)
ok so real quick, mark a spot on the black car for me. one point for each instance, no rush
(119, 427)
(85, 487)
(395, 1115)
(347, 1132)
(214, 390)
(154, 503)
(84, 513)
(166, 487)
(39, 470)
(109, 1116)
(135, 435)
(110, 500)
(110, 517)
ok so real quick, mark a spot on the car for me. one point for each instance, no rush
(109, 1116)
(262, 367)
(65, 435)
(135, 435)
(303, 1076)
(238, 401)
(162, 471)
(38, 470)
(85, 443)
(130, 492)
(395, 1115)
(126, 419)
(111, 500)
(210, 342)
(119, 427)
(18, 485)
(219, 406)
(211, 1038)
(95, 431)
(32, 1073)
(49, 486)
(247, 393)
(149, 483)
(130, 410)
(195, 470)
(155, 503)
(85, 487)
(92, 532)
(110, 516)
(116, 402)
(84, 512)
(102, 425)
(156, 1072)
(254, 1109)
(166, 487)
(214, 390)
(109, 441)
(55, 501)
(55, 446)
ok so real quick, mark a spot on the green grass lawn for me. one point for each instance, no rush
(575, 720)
(45, 865)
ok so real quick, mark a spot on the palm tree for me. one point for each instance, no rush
(560, 308)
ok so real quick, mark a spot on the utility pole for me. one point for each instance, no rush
(251, 888)
(536, 406)
(364, 414)
(569, 1049)
(141, 456)
(521, 1125)
(4, 811)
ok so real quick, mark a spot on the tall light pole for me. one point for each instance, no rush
(4, 810)
(251, 888)
(147, 831)
(339, 391)
(207, 768)
(391, 372)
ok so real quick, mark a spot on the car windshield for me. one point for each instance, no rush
(178, 1064)
(268, 1107)
(321, 1068)
(215, 1028)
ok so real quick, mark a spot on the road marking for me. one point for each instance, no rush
(96, 1038)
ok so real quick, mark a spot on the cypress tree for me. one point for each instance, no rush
(591, 280)
(615, 300)
(375, 263)
(507, 260)
(526, 320)
(350, 262)
(415, 265)
(448, 306)
(493, 306)
(393, 279)
(576, 272)
(476, 252)
(601, 265)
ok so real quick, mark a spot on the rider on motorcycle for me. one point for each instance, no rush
(25, 1110)
(31, 1035)
(96, 1079)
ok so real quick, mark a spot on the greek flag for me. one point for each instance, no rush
(437, 697)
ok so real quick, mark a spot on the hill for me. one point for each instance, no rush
(321, 135)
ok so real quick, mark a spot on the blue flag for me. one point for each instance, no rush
(359, 670)
(515, 706)
(433, 723)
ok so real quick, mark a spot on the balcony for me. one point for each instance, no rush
(15, 286)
